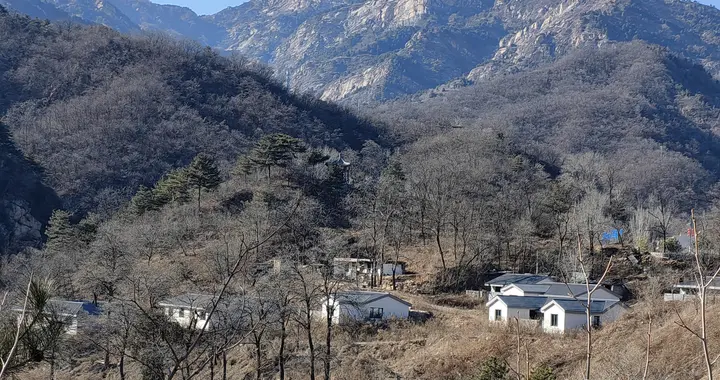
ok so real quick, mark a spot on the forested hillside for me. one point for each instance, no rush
(650, 116)
(104, 113)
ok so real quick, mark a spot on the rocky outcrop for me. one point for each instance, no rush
(25, 202)
(370, 50)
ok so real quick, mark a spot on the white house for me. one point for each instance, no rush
(687, 290)
(501, 308)
(189, 310)
(73, 314)
(361, 306)
(560, 315)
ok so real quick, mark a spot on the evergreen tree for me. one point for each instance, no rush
(244, 166)
(542, 373)
(174, 187)
(275, 150)
(61, 236)
(203, 174)
(144, 200)
(493, 369)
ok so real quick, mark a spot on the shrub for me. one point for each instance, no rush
(542, 373)
(493, 369)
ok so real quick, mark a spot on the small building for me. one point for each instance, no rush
(73, 314)
(502, 308)
(352, 268)
(189, 310)
(687, 290)
(364, 306)
(499, 282)
(560, 315)
(398, 267)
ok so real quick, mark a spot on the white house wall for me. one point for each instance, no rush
(507, 313)
(498, 306)
(513, 291)
(348, 312)
(554, 309)
(574, 321)
(189, 317)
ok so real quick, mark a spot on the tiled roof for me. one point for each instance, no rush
(519, 302)
(574, 306)
(361, 297)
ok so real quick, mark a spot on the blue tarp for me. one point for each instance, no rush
(612, 236)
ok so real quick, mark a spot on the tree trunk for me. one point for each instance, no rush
(328, 341)
(198, 200)
(121, 366)
(212, 364)
(281, 354)
(588, 329)
(311, 343)
(258, 352)
(439, 245)
(224, 364)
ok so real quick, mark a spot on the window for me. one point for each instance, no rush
(535, 315)
(498, 314)
(596, 321)
(553, 320)
(376, 313)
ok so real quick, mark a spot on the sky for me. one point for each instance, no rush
(711, 2)
(206, 7)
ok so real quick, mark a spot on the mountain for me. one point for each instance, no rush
(98, 12)
(103, 113)
(177, 21)
(362, 50)
(384, 49)
(39, 9)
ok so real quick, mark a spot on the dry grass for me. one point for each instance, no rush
(455, 343)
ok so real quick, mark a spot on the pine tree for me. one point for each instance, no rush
(174, 187)
(144, 200)
(203, 174)
(275, 150)
(61, 236)
(244, 166)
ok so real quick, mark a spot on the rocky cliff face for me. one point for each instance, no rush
(363, 50)
(25, 202)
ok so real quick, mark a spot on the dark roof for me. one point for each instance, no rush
(189, 300)
(518, 278)
(559, 289)
(362, 297)
(66, 308)
(519, 302)
(574, 306)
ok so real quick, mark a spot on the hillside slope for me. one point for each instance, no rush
(104, 113)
